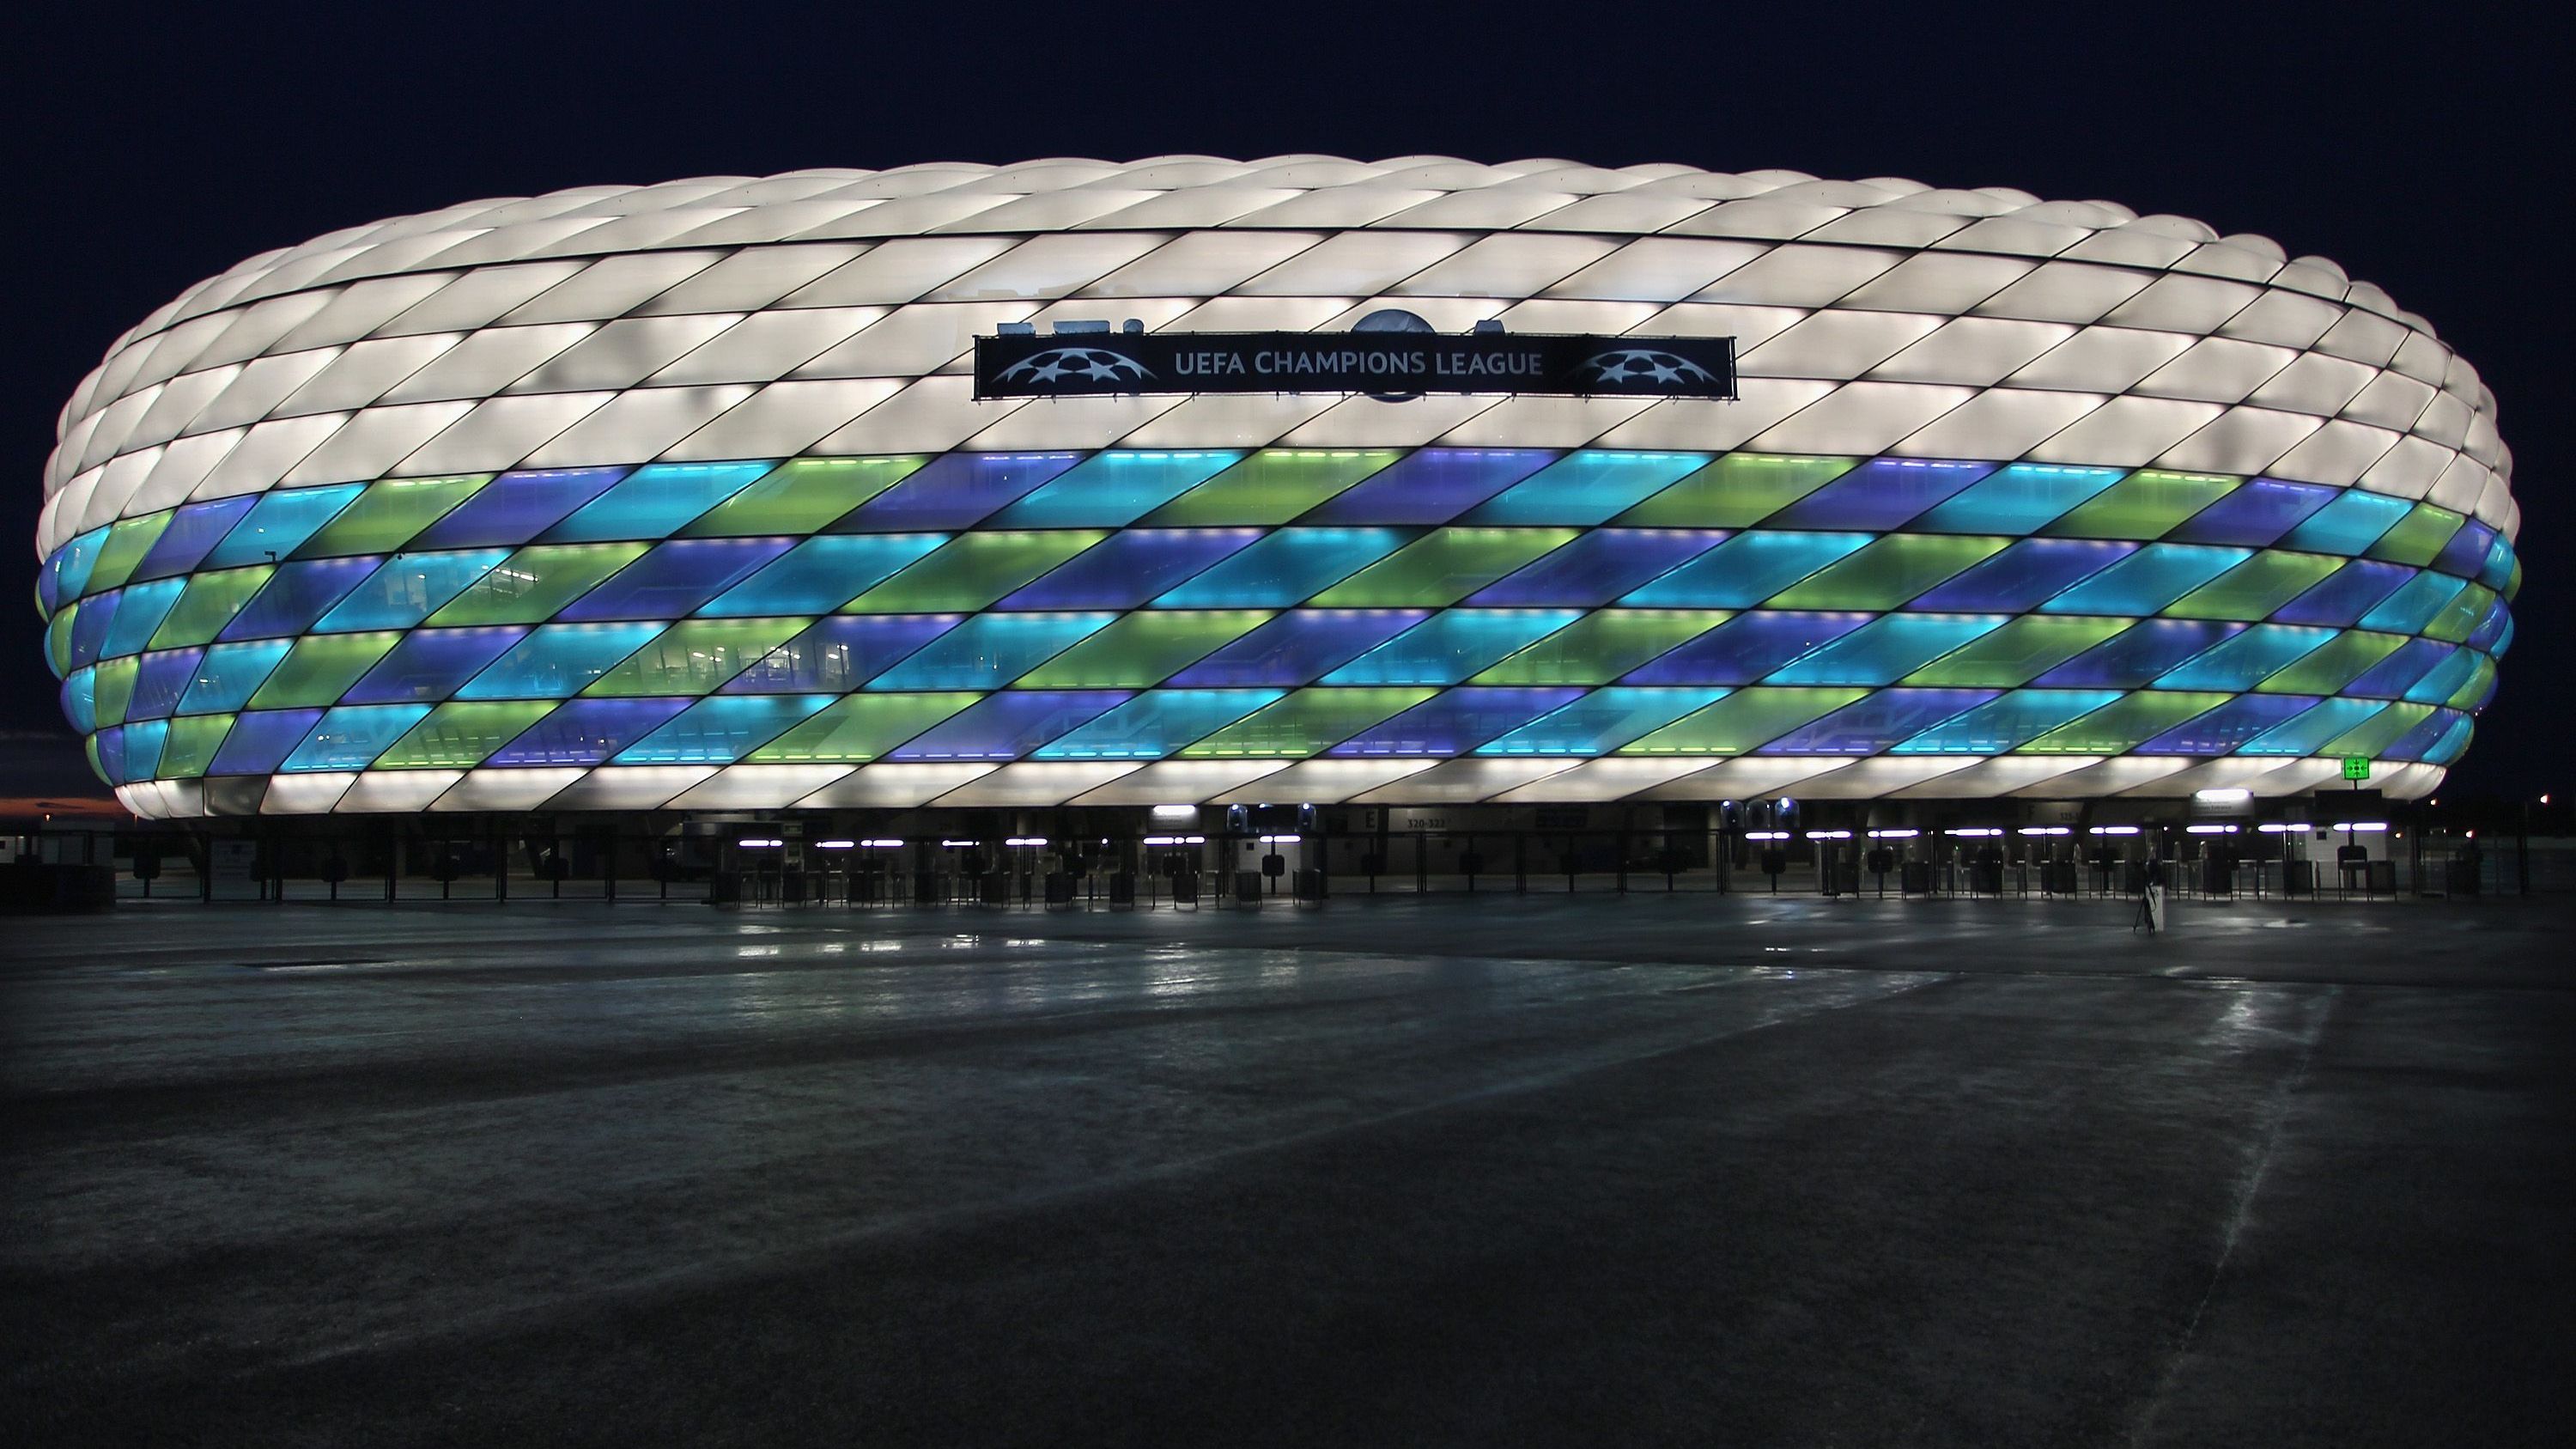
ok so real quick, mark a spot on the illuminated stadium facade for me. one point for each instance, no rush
(680, 498)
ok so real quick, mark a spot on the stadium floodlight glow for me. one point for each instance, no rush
(2113, 830)
(2236, 795)
(703, 524)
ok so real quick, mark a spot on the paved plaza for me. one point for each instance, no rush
(1423, 1170)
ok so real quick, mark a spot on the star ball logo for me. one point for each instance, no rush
(1641, 367)
(1077, 364)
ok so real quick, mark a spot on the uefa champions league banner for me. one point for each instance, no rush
(1382, 364)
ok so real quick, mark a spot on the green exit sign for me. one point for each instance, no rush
(2356, 767)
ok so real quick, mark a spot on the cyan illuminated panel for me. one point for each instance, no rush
(1600, 721)
(1746, 570)
(1455, 721)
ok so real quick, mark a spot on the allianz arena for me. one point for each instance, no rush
(679, 498)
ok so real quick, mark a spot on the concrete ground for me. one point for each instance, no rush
(1419, 1171)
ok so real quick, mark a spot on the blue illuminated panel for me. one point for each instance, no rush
(432, 665)
(1598, 566)
(1879, 495)
(2254, 515)
(1431, 485)
(1009, 724)
(954, 491)
(587, 731)
(1745, 648)
(1299, 647)
(675, 578)
(1587, 488)
(2222, 730)
(1130, 567)
(515, 507)
(1877, 723)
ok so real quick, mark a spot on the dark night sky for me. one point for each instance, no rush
(157, 146)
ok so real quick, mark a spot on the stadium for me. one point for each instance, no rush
(689, 502)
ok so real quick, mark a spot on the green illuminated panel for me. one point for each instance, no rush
(58, 640)
(461, 734)
(860, 727)
(1744, 720)
(2124, 724)
(1305, 723)
(191, 745)
(532, 585)
(1271, 487)
(2466, 696)
(2254, 588)
(2418, 537)
(2143, 505)
(1440, 568)
(208, 605)
(127, 542)
(2331, 666)
(321, 667)
(113, 686)
(1143, 649)
(802, 496)
(2379, 731)
(972, 570)
(2459, 618)
(2019, 652)
(1599, 647)
(1888, 572)
(695, 656)
(1737, 490)
(388, 515)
